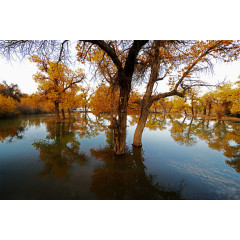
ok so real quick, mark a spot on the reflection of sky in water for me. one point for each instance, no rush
(201, 171)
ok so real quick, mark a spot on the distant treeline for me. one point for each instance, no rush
(223, 101)
(13, 102)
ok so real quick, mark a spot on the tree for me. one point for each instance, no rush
(192, 94)
(60, 150)
(126, 56)
(133, 102)
(70, 99)
(11, 90)
(195, 57)
(207, 101)
(84, 97)
(124, 62)
(235, 99)
(31, 104)
(103, 100)
(54, 81)
(179, 104)
(7, 105)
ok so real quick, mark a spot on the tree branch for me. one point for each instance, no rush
(185, 74)
(109, 50)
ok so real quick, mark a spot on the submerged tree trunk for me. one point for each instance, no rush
(120, 126)
(57, 111)
(147, 101)
(146, 104)
(137, 139)
(63, 114)
(124, 81)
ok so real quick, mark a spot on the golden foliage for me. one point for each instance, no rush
(103, 100)
(7, 104)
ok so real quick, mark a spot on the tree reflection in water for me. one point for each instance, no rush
(125, 177)
(184, 133)
(60, 149)
(221, 136)
(88, 127)
(154, 122)
(11, 130)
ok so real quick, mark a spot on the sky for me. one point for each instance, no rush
(21, 73)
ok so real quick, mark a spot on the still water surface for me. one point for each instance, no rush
(181, 158)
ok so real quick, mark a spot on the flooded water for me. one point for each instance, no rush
(181, 158)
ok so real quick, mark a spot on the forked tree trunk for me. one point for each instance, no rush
(69, 113)
(63, 114)
(124, 80)
(57, 111)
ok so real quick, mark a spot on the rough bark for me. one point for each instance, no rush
(137, 139)
(147, 100)
(120, 126)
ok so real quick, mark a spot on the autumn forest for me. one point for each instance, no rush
(131, 92)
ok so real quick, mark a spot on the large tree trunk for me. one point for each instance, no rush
(120, 126)
(147, 101)
(57, 111)
(137, 139)
(124, 81)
